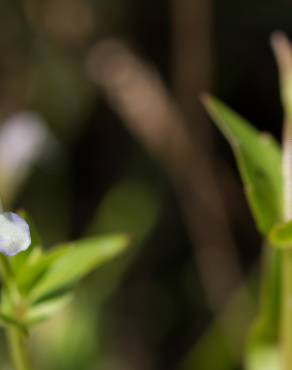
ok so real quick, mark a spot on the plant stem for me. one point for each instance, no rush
(270, 295)
(283, 53)
(8, 279)
(286, 329)
(287, 311)
(17, 349)
(14, 334)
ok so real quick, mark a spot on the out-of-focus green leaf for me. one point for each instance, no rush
(212, 348)
(55, 339)
(281, 235)
(131, 206)
(264, 334)
(223, 343)
(259, 160)
(44, 310)
(81, 257)
(263, 357)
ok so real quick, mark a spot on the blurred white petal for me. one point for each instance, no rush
(14, 234)
(23, 139)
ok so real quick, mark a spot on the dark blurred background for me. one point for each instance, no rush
(120, 141)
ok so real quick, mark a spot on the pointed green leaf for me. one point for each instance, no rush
(81, 257)
(281, 235)
(259, 160)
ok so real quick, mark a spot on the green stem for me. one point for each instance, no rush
(283, 53)
(287, 311)
(270, 296)
(8, 279)
(14, 334)
(286, 329)
(17, 348)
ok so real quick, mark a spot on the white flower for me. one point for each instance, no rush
(14, 234)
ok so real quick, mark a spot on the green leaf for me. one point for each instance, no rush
(10, 320)
(212, 348)
(35, 267)
(281, 235)
(263, 357)
(80, 258)
(132, 206)
(45, 309)
(259, 160)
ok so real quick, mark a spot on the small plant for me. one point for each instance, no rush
(266, 171)
(37, 283)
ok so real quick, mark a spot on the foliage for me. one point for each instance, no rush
(259, 161)
(38, 282)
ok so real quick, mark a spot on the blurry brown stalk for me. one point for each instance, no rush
(191, 55)
(136, 92)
